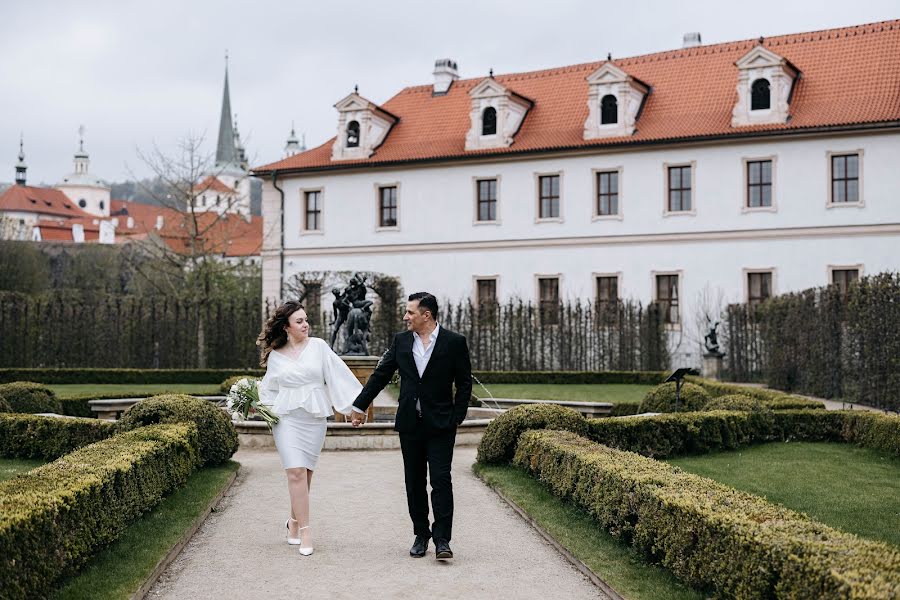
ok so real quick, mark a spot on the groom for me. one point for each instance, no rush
(431, 360)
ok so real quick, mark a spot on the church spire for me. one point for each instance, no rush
(292, 146)
(21, 167)
(82, 160)
(226, 154)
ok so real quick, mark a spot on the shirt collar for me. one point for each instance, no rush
(434, 334)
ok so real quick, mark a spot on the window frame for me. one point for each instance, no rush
(679, 290)
(378, 187)
(358, 143)
(745, 167)
(475, 180)
(476, 279)
(832, 268)
(750, 90)
(496, 121)
(747, 271)
(303, 211)
(692, 164)
(537, 185)
(595, 175)
(595, 276)
(537, 289)
(830, 203)
(616, 102)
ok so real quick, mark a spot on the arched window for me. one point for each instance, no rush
(82, 203)
(609, 110)
(353, 134)
(102, 205)
(759, 95)
(489, 121)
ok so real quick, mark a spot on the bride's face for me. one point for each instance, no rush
(298, 327)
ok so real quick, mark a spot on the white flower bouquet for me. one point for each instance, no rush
(243, 402)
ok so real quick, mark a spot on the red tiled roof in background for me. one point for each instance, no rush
(213, 184)
(848, 76)
(60, 230)
(45, 201)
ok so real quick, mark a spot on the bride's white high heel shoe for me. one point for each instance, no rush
(291, 541)
(305, 550)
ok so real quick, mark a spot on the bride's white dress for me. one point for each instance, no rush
(304, 393)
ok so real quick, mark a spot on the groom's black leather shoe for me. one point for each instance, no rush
(419, 546)
(442, 550)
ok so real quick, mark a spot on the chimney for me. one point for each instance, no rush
(691, 39)
(445, 73)
(159, 221)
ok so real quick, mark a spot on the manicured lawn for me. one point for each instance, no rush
(10, 467)
(853, 489)
(69, 390)
(613, 561)
(575, 392)
(120, 569)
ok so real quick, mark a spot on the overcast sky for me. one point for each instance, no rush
(139, 73)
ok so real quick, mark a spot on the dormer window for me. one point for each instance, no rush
(362, 127)
(609, 110)
(760, 99)
(496, 116)
(615, 99)
(353, 134)
(764, 88)
(489, 121)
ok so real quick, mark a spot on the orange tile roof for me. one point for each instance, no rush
(849, 76)
(213, 184)
(59, 230)
(45, 201)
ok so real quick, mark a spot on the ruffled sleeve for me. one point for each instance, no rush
(341, 383)
(268, 388)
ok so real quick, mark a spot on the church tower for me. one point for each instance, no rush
(90, 193)
(293, 145)
(21, 167)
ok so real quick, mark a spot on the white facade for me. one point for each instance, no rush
(440, 246)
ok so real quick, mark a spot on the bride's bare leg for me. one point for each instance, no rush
(298, 488)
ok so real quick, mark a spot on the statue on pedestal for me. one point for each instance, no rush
(351, 307)
(711, 339)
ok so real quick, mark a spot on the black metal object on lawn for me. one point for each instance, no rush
(678, 378)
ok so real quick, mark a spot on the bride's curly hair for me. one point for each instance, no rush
(273, 335)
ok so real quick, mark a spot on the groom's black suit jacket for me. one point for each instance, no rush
(449, 364)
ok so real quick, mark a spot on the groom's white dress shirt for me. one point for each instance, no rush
(421, 355)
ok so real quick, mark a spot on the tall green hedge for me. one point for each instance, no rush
(124, 376)
(714, 537)
(33, 436)
(53, 518)
(774, 399)
(573, 377)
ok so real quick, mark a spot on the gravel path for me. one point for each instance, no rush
(362, 536)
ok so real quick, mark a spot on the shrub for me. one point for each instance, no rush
(624, 409)
(218, 439)
(566, 377)
(123, 376)
(498, 444)
(28, 397)
(225, 386)
(708, 534)
(78, 406)
(788, 402)
(774, 399)
(662, 398)
(54, 517)
(4, 406)
(872, 430)
(736, 402)
(33, 436)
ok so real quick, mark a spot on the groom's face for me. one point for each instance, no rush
(414, 318)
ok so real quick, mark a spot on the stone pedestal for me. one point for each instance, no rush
(362, 367)
(712, 365)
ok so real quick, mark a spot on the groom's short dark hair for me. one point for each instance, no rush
(426, 302)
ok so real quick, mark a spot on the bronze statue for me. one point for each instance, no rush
(352, 308)
(711, 339)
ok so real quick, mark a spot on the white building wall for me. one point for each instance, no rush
(97, 200)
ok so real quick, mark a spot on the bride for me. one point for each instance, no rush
(304, 380)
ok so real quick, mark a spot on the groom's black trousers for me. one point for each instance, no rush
(431, 450)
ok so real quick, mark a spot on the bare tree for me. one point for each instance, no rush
(708, 309)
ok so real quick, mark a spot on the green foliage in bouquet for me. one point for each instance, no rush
(662, 398)
(29, 397)
(34, 436)
(498, 444)
(218, 438)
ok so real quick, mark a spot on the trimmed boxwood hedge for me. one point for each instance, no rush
(776, 400)
(710, 535)
(30, 397)
(4, 406)
(218, 438)
(567, 377)
(124, 375)
(662, 398)
(54, 517)
(225, 386)
(737, 402)
(33, 436)
(498, 444)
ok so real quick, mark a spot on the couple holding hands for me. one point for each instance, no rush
(305, 381)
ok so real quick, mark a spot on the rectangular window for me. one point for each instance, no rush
(679, 189)
(387, 204)
(548, 289)
(845, 178)
(485, 292)
(549, 197)
(667, 297)
(607, 193)
(843, 278)
(759, 287)
(487, 199)
(607, 291)
(759, 183)
(313, 211)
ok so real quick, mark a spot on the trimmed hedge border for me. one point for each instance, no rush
(29, 397)
(662, 398)
(706, 533)
(33, 436)
(572, 377)
(125, 376)
(54, 517)
(498, 444)
(774, 399)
